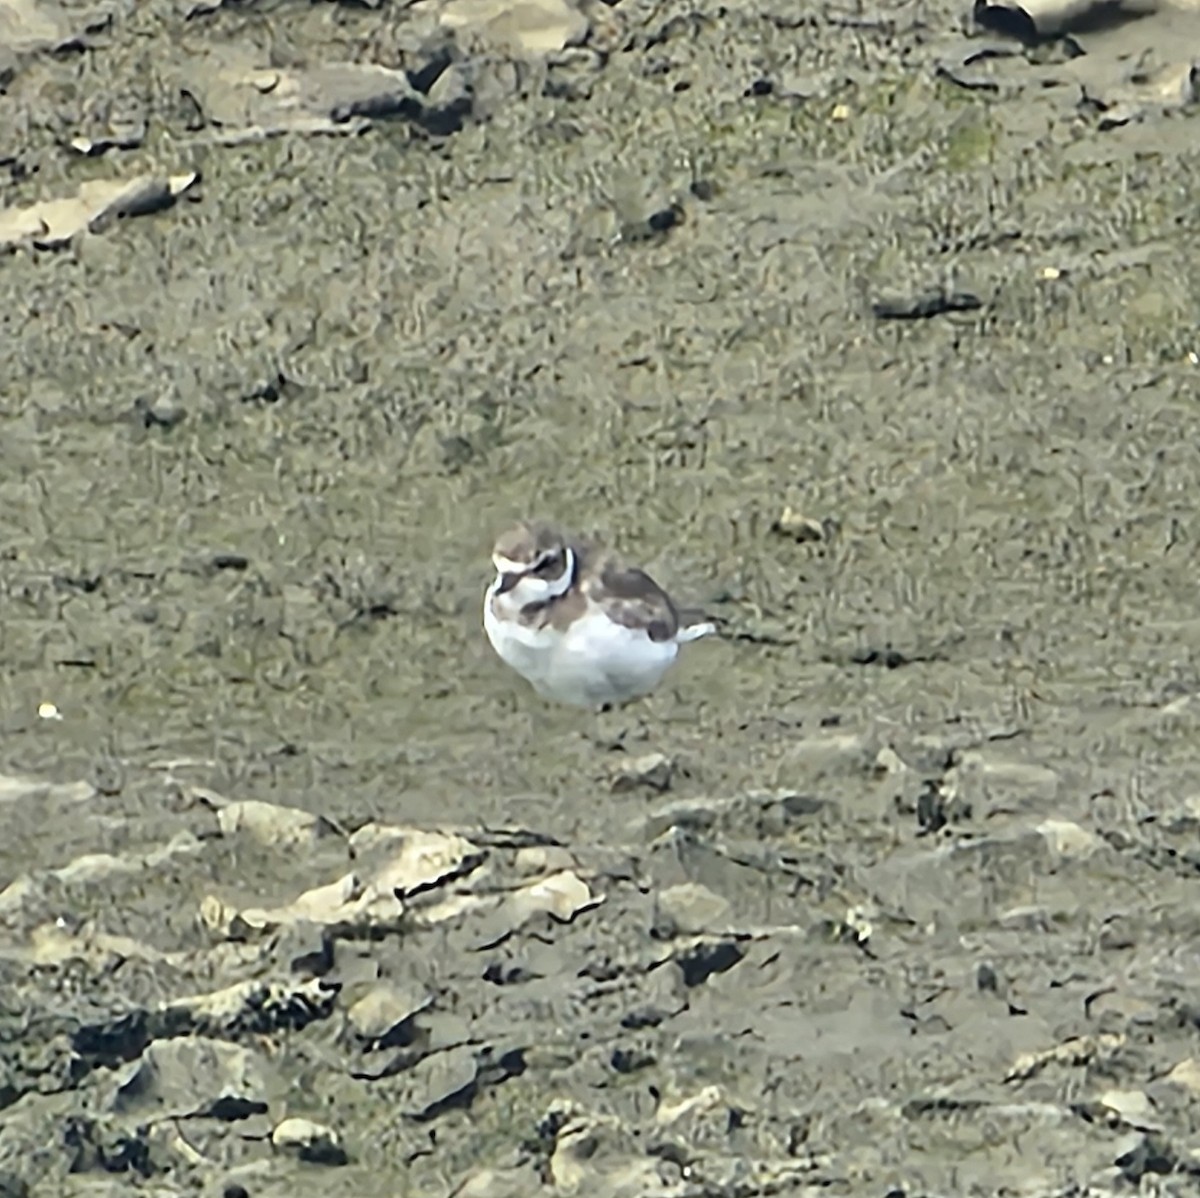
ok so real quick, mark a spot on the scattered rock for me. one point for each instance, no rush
(311, 1142)
(1145, 93)
(1068, 840)
(761, 989)
(653, 771)
(411, 863)
(925, 304)
(382, 1017)
(560, 898)
(259, 1006)
(1080, 1050)
(757, 813)
(243, 101)
(271, 825)
(1133, 1108)
(1146, 1154)
(529, 27)
(347, 905)
(28, 26)
(116, 122)
(699, 1122)
(191, 1077)
(705, 956)
(1186, 1074)
(51, 224)
(564, 895)
(992, 786)
(688, 909)
(53, 944)
(888, 761)
(588, 1150)
(801, 528)
(441, 1081)
(1033, 20)
(539, 860)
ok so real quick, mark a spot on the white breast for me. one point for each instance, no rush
(590, 663)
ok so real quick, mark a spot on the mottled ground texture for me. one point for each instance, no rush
(871, 327)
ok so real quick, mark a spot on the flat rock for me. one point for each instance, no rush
(52, 223)
(530, 27)
(192, 1077)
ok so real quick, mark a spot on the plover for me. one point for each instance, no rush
(577, 624)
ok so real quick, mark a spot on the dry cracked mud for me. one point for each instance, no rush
(873, 328)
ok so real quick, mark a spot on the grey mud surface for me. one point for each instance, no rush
(891, 890)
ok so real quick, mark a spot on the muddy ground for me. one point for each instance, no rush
(871, 329)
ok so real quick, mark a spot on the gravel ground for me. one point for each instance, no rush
(871, 328)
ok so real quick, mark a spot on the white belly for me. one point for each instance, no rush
(592, 662)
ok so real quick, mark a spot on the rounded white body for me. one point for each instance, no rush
(593, 661)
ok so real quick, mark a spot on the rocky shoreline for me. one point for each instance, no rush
(873, 330)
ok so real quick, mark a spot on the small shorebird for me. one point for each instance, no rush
(578, 625)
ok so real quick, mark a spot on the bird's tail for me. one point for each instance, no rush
(693, 625)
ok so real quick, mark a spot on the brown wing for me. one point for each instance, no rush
(635, 600)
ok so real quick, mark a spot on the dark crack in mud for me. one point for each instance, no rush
(872, 329)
